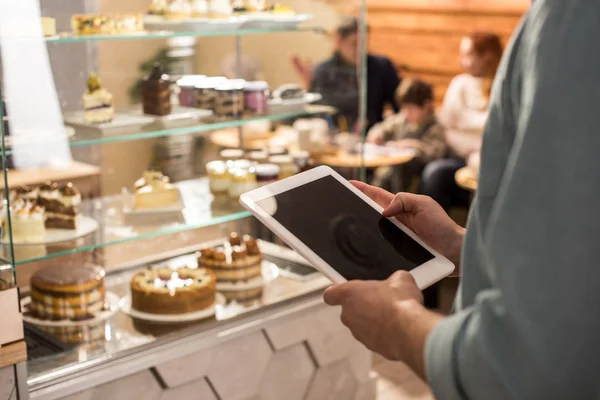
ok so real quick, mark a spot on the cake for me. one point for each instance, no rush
(158, 7)
(237, 260)
(173, 291)
(220, 9)
(199, 8)
(156, 93)
(97, 102)
(48, 26)
(27, 221)
(179, 9)
(61, 203)
(154, 190)
(107, 24)
(66, 291)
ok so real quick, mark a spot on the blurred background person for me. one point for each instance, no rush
(337, 79)
(464, 113)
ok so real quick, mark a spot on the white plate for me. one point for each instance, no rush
(125, 306)
(85, 226)
(112, 302)
(201, 25)
(270, 272)
(120, 121)
(307, 99)
(178, 114)
(274, 20)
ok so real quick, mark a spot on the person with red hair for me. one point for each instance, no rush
(464, 114)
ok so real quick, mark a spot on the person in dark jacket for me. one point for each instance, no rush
(338, 79)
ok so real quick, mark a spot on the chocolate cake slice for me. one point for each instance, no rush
(62, 204)
(156, 93)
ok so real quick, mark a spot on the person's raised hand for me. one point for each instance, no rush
(373, 311)
(423, 216)
(304, 69)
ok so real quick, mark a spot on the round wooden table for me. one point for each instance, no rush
(342, 159)
(466, 179)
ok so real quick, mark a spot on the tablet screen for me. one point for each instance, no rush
(347, 233)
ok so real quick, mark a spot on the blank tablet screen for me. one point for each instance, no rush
(347, 233)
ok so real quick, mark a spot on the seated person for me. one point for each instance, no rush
(337, 79)
(463, 114)
(415, 127)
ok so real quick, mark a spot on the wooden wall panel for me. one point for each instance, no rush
(422, 36)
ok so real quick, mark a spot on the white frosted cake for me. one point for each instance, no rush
(220, 9)
(28, 221)
(97, 102)
(199, 8)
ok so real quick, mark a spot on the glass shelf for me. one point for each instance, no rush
(69, 38)
(92, 136)
(200, 210)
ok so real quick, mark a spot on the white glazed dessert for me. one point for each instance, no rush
(28, 221)
(199, 8)
(219, 178)
(179, 9)
(220, 9)
(154, 190)
(97, 102)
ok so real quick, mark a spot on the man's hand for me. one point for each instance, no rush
(386, 316)
(304, 69)
(423, 216)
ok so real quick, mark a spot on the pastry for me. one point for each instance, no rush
(158, 7)
(173, 291)
(107, 24)
(97, 102)
(178, 10)
(242, 180)
(237, 260)
(62, 204)
(219, 178)
(154, 190)
(156, 93)
(67, 292)
(199, 8)
(48, 26)
(27, 221)
(229, 100)
(220, 9)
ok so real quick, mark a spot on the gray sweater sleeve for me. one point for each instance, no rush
(532, 329)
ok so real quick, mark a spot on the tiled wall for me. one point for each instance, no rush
(307, 357)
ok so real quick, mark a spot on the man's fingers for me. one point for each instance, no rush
(378, 195)
(334, 295)
(404, 203)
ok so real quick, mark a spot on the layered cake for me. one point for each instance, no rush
(154, 190)
(158, 7)
(199, 8)
(156, 93)
(97, 102)
(67, 292)
(179, 9)
(55, 206)
(61, 203)
(229, 99)
(27, 221)
(220, 9)
(169, 291)
(93, 24)
(237, 260)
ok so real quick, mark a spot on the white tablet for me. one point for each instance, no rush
(341, 231)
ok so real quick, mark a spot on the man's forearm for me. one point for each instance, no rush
(415, 322)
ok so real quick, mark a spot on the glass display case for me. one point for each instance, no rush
(130, 130)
